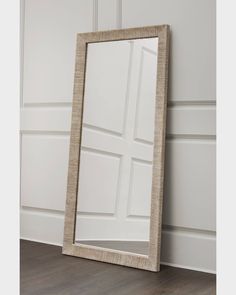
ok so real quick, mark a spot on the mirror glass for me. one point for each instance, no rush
(115, 172)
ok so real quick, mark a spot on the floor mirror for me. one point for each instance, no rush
(117, 147)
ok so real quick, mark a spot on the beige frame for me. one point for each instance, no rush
(152, 260)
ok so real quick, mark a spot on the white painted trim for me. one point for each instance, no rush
(190, 268)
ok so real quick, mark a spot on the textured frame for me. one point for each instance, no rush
(152, 260)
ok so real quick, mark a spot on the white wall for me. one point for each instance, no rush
(48, 35)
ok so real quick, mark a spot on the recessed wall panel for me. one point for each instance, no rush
(145, 112)
(106, 85)
(140, 189)
(44, 164)
(190, 184)
(98, 186)
(50, 31)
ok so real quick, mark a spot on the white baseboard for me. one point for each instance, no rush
(186, 248)
(42, 226)
(189, 249)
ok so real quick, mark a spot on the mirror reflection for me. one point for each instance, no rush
(115, 173)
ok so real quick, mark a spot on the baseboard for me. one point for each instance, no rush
(189, 268)
(180, 248)
(189, 249)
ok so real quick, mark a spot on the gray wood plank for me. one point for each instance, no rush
(45, 271)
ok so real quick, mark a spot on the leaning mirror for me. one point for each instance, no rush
(117, 145)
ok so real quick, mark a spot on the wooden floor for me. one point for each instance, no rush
(45, 271)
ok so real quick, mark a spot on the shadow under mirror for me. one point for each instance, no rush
(115, 172)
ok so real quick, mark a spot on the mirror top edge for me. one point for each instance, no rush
(123, 34)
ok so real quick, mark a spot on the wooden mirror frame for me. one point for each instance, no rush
(152, 260)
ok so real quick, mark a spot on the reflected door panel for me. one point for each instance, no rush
(115, 175)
